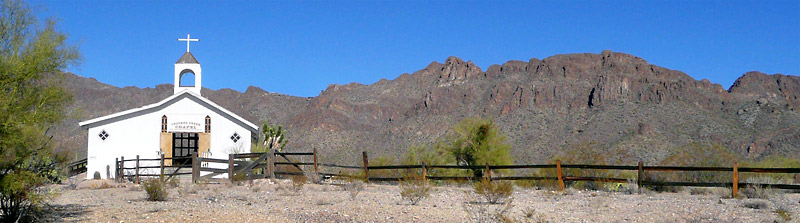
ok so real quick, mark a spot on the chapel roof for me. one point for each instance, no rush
(187, 58)
(171, 99)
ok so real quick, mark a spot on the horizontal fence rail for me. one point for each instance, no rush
(261, 165)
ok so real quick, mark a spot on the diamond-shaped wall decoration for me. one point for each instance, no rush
(103, 135)
(235, 137)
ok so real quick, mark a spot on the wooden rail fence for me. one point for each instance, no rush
(263, 165)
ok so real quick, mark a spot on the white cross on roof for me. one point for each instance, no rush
(188, 39)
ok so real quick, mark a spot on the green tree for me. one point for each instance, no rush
(476, 141)
(31, 55)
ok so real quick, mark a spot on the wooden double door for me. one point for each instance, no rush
(183, 146)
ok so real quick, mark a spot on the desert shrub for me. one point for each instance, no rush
(700, 155)
(756, 204)
(297, 182)
(588, 153)
(353, 187)
(414, 188)
(485, 212)
(774, 161)
(758, 191)
(383, 161)
(239, 177)
(493, 191)
(429, 155)
(721, 192)
(476, 141)
(156, 189)
(784, 214)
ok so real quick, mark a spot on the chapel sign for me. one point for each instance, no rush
(185, 123)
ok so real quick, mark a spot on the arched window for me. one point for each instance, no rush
(187, 78)
(208, 124)
(164, 123)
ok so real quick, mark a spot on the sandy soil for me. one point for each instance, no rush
(268, 201)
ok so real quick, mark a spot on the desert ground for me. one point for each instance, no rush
(275, 201)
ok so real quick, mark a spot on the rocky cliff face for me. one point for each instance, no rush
(619, 101)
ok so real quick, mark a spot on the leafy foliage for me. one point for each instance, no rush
(274, 136)
(476, 141)
(28, 106)
(156, 189)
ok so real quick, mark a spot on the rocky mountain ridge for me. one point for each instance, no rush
(618, 101)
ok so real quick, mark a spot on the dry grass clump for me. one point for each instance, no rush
(156, 189)
(295, 185)
(297, 182)
(353, 187)
(485, 212)
(496, 202)
(756, 204)
(760, 192)
(783, 214)
(721, 192)
(493, 191)
(414, 188)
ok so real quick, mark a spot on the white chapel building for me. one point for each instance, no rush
(177, 127)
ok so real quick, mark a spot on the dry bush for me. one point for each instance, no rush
(156, 189)
(486, 212)
(72, 183)
(414, 188)
(758, 191)
(297, 182)
(190, 188)
(783, 214)
(353, 187)
(493, 192)
(756, 204)
(721, 192)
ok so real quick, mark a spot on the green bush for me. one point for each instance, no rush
(476, 141)
(156, 189)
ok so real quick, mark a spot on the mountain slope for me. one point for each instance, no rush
(619, 101)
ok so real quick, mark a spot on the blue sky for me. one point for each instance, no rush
(300, 47)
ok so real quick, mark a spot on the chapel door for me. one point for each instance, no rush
(183, 146)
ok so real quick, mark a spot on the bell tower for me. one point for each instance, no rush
(188, 74)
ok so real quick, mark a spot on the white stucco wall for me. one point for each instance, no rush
(139, 134)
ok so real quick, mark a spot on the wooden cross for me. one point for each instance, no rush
(188, 39)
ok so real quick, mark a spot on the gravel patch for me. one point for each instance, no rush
(265, 201)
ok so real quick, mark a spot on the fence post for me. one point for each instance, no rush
(316, 170)
(488, 172)
(137, 169)
(195, 168)
(366, 163)
(640, 177)
(196, 161)
(162, 167)
(560, 175)
(271, 164)
(116, 170)
(230, 166)
(735, 179)
(424, 171)
(121, 168)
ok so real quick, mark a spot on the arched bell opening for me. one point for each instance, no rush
(187, 78)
